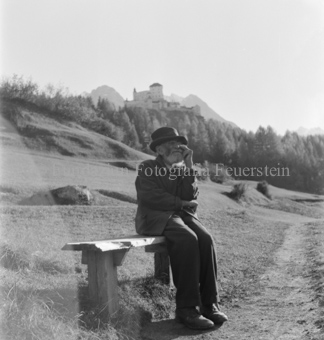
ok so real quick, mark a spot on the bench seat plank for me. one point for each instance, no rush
(116, 243)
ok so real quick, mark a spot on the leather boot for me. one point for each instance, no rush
(191, 318)
(213, 313)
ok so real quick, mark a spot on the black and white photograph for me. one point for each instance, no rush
(162, 169)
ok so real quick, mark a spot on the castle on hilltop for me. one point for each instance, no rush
(154, 99)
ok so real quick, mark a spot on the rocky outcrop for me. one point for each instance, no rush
(68, 195)
(72, 194)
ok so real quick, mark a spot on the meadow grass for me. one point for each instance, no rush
(40, 273)
(44, 289)
(40, 279)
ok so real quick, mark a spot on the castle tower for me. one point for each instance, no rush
(156, 90)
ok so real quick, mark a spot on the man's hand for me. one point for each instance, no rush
(187, 156)
(191, 204)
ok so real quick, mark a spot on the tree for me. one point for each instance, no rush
(267, 147)
(105, 108)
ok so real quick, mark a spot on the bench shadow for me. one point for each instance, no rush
(74, 305)
(170, 329)
(64, 302)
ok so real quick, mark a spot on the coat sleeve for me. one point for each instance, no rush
(150, 193)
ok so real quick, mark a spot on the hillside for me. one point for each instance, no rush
(38, 132)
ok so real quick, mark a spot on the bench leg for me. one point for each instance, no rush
(102, 277)
(84, 258)
(162, 267)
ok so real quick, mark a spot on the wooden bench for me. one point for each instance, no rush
(103, 258)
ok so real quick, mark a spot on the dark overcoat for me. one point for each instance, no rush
(160, 192)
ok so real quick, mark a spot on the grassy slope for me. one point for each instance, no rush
(41, 133)
(43, 288)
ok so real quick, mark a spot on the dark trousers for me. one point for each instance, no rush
(193, 261)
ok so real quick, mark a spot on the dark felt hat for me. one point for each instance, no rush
(166, 134)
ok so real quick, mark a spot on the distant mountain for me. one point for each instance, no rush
(85, 94)
(108, 93)
(193, 100)
(306, 132)
(174, 98)
(206, 111)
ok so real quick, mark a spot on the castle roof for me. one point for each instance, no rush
(155, 84)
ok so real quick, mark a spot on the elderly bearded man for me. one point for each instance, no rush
(167, 203)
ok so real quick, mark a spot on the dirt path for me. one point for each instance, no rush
(287, 307)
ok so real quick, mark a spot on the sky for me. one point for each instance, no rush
(254, 62)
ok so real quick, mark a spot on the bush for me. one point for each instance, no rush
(18, 88)
(238, 191)
(263, 187)
(14, 114)
(56, 100)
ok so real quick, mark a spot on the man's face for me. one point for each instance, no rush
(171, 152)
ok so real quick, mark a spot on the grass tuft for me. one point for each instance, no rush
(50, 266)
(159, 297)
(238, 191)
(14, 259)
(263, 187)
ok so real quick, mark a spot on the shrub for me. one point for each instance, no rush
(14, 114)
(56, 100)
(263, 187)
(18, 88)
(238, 191)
